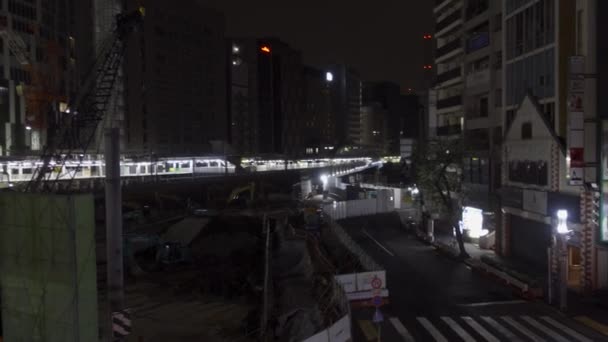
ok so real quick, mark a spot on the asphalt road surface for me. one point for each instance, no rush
(435, 298)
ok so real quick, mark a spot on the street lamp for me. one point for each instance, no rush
(560, 240)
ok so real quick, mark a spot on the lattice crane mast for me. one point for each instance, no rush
(77, 127)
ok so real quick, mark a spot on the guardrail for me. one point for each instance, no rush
(364, 259)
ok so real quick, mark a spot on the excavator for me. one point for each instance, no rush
(242, 196)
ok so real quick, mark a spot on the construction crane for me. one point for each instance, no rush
(77, 126)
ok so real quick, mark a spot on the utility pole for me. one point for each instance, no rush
(113, 225)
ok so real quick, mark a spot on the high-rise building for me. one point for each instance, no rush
(346, 91)
(46, 76)
(388, 97)
(243, 95)
(448, 87)
(482, 103)
(412, 117)
(374, 127)
(280, 93)
(266, 85)
(176, 81)
(316, 124)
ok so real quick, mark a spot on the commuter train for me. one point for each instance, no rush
(22, 170)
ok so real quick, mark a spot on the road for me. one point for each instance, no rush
(435, 298)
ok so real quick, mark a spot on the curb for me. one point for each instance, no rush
(523, 289)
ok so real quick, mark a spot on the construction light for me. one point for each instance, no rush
(324, 180)
(265, 49)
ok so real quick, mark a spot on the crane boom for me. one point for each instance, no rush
(77, 127)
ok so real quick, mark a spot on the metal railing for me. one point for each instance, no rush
(449, 102)
(448, 21)
(447, 48)
(449, 130)
(448, 75)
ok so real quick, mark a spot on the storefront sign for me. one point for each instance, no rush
(576, 176)
(472, 221)
(576, 121)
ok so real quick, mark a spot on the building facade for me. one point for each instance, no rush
(482, 102)
(266, 82)
(374, 126)
(176, 81)
(243, 101)
(550, 147)
(346, 91)
(46, 28)
(316, 124)
(387, 97)
(448, 87)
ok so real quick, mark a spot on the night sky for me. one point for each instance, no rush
(382, 39)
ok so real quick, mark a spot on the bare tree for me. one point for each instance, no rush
(438, 166)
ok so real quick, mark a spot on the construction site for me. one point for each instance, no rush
(236, 274)
(208, 259)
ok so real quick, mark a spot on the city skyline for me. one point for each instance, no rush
(337, 32)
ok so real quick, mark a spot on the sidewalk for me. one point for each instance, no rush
(530, 282)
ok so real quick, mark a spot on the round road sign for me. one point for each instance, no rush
(376, 283)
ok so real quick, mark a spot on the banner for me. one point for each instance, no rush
(576, 121)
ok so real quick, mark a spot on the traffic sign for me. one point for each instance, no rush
(378, 317)
(377, 283)
(377, 301)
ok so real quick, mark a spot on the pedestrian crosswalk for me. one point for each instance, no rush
(483, 328)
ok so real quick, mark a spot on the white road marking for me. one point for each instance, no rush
(480, 329)
(554, 336)
(509, 302)
(522, 329)
(501, 329)
(431, 329)
(401, 329)
(458, 329)
(566, 329)
(378, 243)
